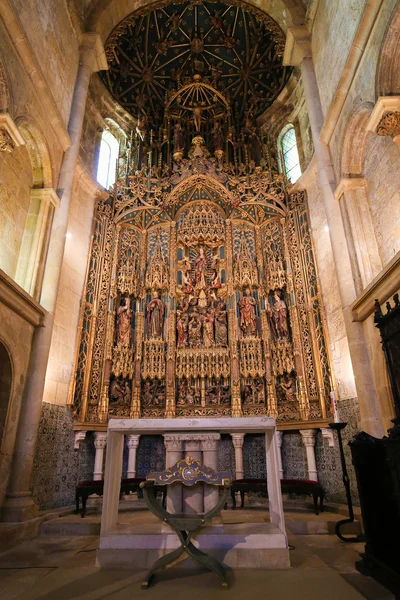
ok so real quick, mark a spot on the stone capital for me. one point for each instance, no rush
(297, 47)
(100, 440)
(308, 436)
(10, 137)
(133, 440)
(385, 118)
(173, 442)
(48, 195)
(210, 441)
(327, 433)
(348, 183)
(92, 53)
(237, 439)
(79, 437)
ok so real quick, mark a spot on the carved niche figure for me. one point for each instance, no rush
(279, 317)
(194, 331)
(179, 138)
(153, 393)
(221, 327)
(124, 330)
(200, 267)
(182, 329)
(120, 392)
(247, 314)
(217, 137)
(208, 330)
(155, 316)
(288, 387)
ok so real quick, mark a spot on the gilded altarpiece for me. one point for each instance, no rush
(202, 300)
(201, 296)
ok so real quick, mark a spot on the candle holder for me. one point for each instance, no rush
(346, 482)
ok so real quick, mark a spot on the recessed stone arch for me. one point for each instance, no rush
(388, 72)
(104, 15)
(5, 94)
(6, 384)
(354, 138)
(38, 153)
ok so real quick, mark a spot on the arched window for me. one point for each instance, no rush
(289, 155)
(108, 157)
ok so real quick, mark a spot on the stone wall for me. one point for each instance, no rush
(50, 22)
(16, 180)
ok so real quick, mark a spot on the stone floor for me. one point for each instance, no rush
(62, 567)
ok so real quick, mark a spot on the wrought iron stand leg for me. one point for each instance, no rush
(208, 561)
(161, 563)
(346, 482)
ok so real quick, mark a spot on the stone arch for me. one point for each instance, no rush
(38, 151)
(6, 384)
(103, 15)
(388, 72)
(354, 200)
(354, 138)
(5, 96)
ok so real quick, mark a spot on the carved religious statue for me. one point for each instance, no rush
(278, 314)
(155, 316)
(194, 331)
(247, 306)
(208, 330)
(289, 388)
(124, 330)
(182, 329)
(120, 392)
(197, 44)
(179, 138)
(221, 327)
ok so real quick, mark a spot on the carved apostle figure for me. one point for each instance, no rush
(289, 388)
(124, 330)
(278, 314)
(247, 309)
(182, 329)
(120, 392)
(208, 330)
(155, 316)
(194, 331)
(179, 138)
(221, 327)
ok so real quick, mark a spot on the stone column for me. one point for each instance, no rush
(279, 440)
(133, 443)
(209, 446)
(298, 53)
(100, 441)
(308, 436)
(238, 439)
(174, 450)
(19, 505)
(193, 497)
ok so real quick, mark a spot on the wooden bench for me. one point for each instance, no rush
(84, 489)
(300, 487)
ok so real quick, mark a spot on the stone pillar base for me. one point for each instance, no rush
(19, 508)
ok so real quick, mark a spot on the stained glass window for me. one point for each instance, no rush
(108, 156)
(290, 154)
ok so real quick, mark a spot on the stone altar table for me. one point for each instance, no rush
(256, 545)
